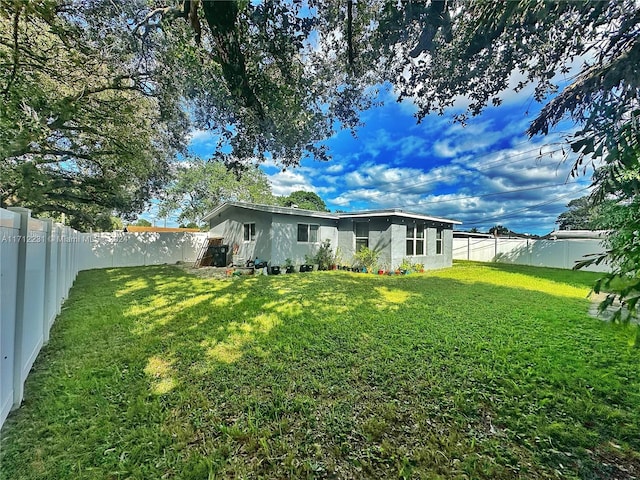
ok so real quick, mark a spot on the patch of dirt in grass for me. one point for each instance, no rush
(219, 273)
(617, 464)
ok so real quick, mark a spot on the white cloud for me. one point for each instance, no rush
(287, 181)
(201, 136)
(513, 186)
(335, 168)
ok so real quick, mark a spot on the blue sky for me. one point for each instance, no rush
(485, 173)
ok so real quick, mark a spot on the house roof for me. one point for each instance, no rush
(398, 213)
(314, 214)
(269, 208)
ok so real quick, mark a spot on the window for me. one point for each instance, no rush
(307, 233)
(249, 232)
(415, 239)
(362, 235)
(439, 241)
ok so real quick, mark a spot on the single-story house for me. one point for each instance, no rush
(274, 233)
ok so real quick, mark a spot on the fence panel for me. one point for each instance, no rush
(33, 295)
(37, 268)
(9, 242)
(562, 253)
(118, 249)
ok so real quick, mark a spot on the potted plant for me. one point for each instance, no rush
(288, 264)
(274, 270)
(366, 259)
(307, 266)
(419, 267)
(405, 267)
(324, 257)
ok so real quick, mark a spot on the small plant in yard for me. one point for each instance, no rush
(324, 256)
(338, 259)
(366, 258)
(406, 266)
(288, 264)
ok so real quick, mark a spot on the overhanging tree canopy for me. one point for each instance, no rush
(82, 128)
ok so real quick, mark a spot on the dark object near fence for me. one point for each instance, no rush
(212, 253)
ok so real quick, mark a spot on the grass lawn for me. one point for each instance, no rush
(477, 371)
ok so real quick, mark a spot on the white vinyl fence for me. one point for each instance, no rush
(39, 261)
(120, 249)
(37, 268)
(561, 253)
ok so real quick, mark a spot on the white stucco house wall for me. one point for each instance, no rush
(274, 233)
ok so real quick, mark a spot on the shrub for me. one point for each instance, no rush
(324, 257)
(367, 258)
(406, 265)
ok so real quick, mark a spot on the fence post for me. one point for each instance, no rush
(59, 267)
(49, 280)
(18, 384)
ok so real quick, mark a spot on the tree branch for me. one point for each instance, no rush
(171, 12)
(14, 69)
(350, 54)
(579, 94)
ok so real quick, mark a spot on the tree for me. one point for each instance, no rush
(621, 215)
(200, 186)
(141, 222)
(189, 225)
(81, 128)
(498, 230)
(580, 215)
(305, 200)
(250, 78)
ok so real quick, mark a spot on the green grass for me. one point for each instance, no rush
(477, 371)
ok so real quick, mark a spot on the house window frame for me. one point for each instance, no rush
(249, 232)
(414, 240)
(439, 241)
(311, 227)
(360, 241)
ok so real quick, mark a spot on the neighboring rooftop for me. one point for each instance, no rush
(137, 229)
(594, 234)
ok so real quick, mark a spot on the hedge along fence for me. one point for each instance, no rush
(39, 261)
(38, 264)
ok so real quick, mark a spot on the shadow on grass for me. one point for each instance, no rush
(154, 373)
